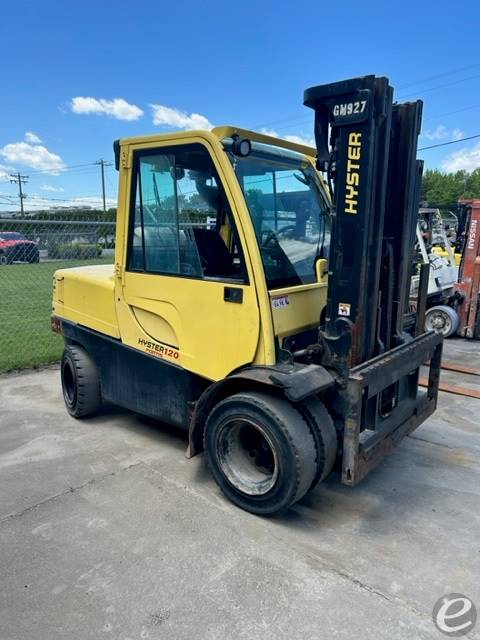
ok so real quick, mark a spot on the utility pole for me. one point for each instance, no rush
(103, 164)
(19, 179)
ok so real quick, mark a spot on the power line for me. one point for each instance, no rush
(443, 144)
(428, 119)
(8, 199)
(441, 86)
(301, 119)
(70, 172)
(439, 75)
(304, 120)
(450, 113)
(63, 169)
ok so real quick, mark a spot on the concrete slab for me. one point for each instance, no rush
(106, 530)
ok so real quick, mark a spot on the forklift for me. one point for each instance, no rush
(455, 309)
(433, 247)
(259, 295)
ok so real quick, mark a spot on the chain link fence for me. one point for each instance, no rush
(32, 248)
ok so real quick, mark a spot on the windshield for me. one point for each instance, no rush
(288, 210)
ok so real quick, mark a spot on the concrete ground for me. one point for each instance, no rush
(107, 531)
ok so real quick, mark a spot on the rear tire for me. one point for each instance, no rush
(260, 451)
(80, 382)
(442, 319)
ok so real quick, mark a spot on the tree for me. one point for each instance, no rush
(446, 188)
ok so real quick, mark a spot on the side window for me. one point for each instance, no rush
(182, 223)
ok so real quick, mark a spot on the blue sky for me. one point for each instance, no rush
(78, 74)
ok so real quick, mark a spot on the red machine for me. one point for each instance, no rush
(467, 289)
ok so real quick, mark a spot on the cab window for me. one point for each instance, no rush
(289, 212)
(182, 223)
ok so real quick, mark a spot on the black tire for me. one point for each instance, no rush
(325, 436)
(80, 382)
(260, 451)
(3, 258)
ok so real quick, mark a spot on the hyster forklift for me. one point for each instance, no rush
(258, 305)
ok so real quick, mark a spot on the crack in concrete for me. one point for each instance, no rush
(437, 444)
(65, 492)
(326, 566)
(364, 586)
(305, 551)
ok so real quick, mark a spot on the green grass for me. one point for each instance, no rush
(26, 339)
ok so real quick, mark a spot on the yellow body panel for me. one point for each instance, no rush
(185, 320)
(298, 308)
(442, 252)
(86, 295)
(212, 337)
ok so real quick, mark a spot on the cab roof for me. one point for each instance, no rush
(224, 131)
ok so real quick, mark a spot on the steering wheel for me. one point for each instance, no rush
(273, 235)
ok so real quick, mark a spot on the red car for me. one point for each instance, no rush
(15, 247)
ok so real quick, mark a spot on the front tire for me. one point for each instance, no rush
(260, 451)
(442, 319)
(80, 382)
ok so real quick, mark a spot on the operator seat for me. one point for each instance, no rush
(216, 259)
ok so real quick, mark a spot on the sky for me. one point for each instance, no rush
(78, 74)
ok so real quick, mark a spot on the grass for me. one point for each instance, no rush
(26, 339)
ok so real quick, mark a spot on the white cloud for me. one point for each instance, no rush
(309, 142)
(117, 108)
(32, 137)
(35, 156)
(466, 159)
(48, 187)
(269, 132)
(170, 117)
(5, 173)
(442, 133)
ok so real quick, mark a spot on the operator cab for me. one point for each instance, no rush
(183, 223)
(186, 230)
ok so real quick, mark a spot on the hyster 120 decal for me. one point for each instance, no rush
(159, 350)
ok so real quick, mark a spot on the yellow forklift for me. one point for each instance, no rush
(258, 296)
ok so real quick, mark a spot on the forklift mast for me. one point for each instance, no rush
(367, 146)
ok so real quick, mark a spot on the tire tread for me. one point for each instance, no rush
(88, 384)
(294, 428)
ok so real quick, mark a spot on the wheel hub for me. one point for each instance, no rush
(247, 456)
(439, 321)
